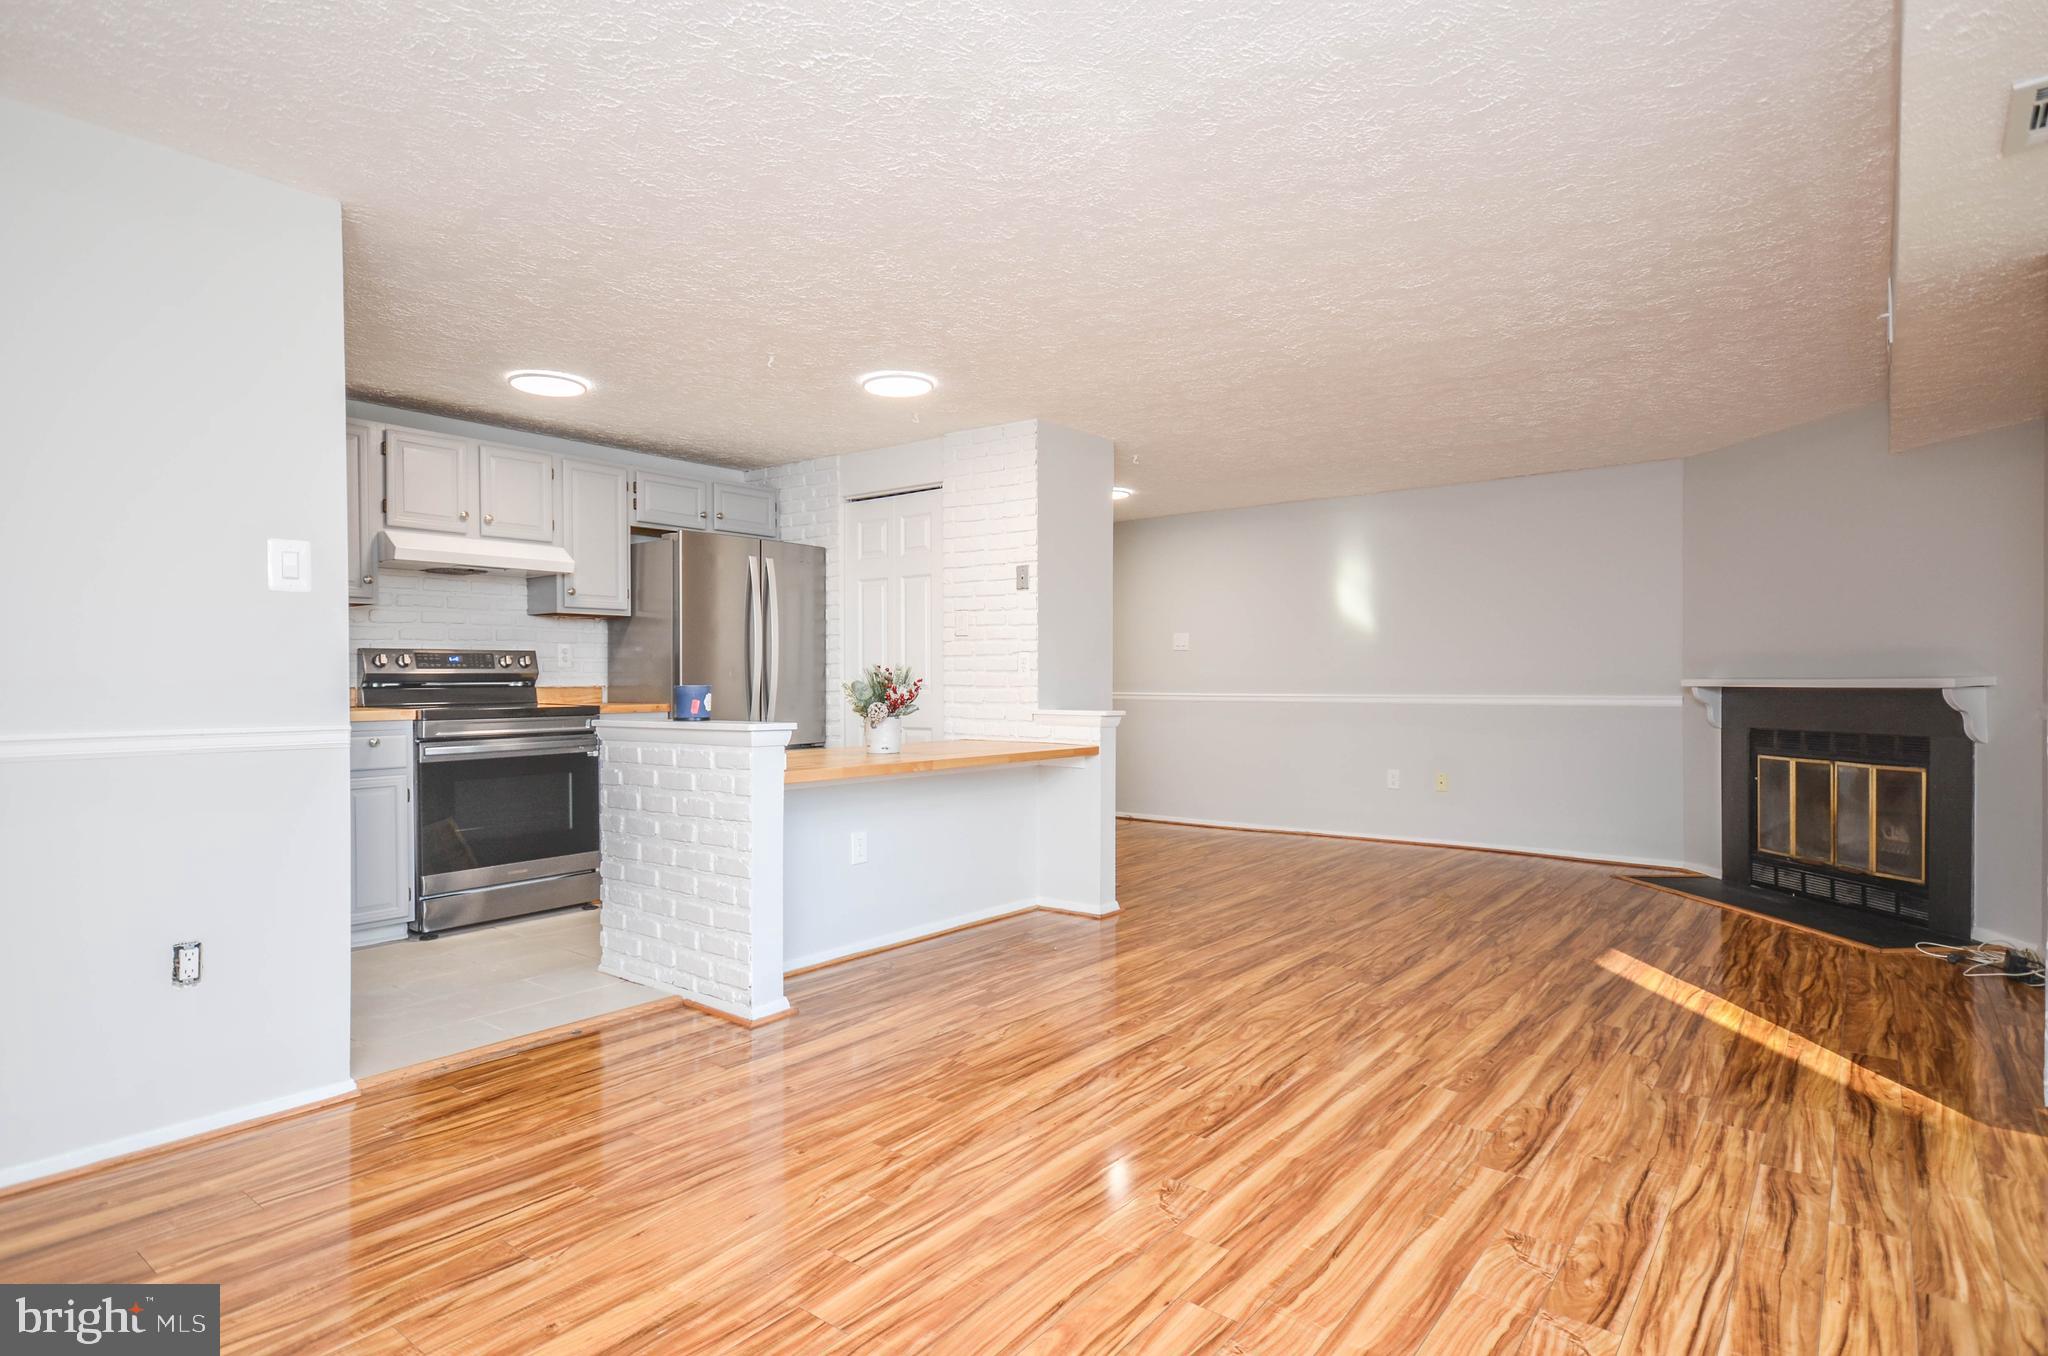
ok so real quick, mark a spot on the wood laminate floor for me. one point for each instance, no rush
(1304, 1095)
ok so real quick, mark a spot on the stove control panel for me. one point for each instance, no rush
(444, 666)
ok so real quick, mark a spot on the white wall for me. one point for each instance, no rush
(1520, 636)
(1076, 638)
(1817, 552)
(173, 760)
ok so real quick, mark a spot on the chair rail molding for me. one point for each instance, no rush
(1416, 698)
(30, 748)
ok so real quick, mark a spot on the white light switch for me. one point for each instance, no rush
(291, 567)
(1180, 640)
(1393, 779)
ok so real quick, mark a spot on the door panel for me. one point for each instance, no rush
(380, 823)
(742, 508)
(517, 487)
(893, 602)
(594, 532)
(714, 621)
(669, 501)
(365, 514)
(797, 672)
(429, 482)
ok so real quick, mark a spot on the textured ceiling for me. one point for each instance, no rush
(1971, 345)
(1275, 250)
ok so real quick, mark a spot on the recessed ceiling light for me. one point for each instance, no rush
(1121, 492)
(898, 385)
(557, 384)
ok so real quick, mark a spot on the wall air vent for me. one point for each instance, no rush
(2026, 119)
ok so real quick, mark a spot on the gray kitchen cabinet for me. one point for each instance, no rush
(594, 531)
(516, 492)
(381, 844)
(667, 501)
(742, 508)
(430, 482)
(365, 511)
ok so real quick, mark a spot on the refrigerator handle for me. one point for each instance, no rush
(754, 711)
(774, 630)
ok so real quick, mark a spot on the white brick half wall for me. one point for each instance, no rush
(691, 821)
(475, 612)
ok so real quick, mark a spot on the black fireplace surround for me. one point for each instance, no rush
(1896, 732)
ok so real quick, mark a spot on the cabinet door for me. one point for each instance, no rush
(429, 482)
(517, 489)
(380, 823)
(594, 532)
(365, 491)
(669, 501)
(742, 508)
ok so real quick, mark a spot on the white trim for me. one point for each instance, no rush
(169, 1134)
(158, 743)
(1413, 698)
(1984, 934)
(905, 936)
(1403, 840)
(1970, 696)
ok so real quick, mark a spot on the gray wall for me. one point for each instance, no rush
(1075, 522)
(173, 341)
(1521, 636)
(1817, 552)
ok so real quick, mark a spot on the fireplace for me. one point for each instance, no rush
(1850, 808)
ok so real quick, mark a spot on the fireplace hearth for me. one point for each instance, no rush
(1849, 809)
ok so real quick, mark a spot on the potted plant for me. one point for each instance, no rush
(881, 697)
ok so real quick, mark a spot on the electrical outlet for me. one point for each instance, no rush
(857, 847)
(185, 964)
(565, 655)
(1023, 577)
(1180, 640)
(1443, 781)
(1393, 779)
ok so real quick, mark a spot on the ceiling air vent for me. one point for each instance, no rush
(2026, 121)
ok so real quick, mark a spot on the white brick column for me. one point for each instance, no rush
(692, 860)
(1077, 815)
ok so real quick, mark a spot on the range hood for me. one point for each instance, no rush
(407, 549)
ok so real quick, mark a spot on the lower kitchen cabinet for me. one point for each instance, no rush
(381, 838)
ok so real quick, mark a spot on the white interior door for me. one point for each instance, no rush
(893, 609)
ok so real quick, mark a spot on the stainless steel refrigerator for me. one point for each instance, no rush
(745, 616)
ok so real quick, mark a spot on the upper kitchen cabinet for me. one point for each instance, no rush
(430, 482)
(517, 492)
(742, 508)
(595, 509)
(365, 511)
(668, 501)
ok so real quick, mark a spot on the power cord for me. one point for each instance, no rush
(1988, 962)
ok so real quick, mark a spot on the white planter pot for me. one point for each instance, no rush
(886, 737)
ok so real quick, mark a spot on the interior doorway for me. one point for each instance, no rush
(893, 606)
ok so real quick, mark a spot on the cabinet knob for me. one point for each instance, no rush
(702, 514)
(489, 518)
(721, 515)
(572, 590)
(368, 580)
(465, 515)
(374, 740)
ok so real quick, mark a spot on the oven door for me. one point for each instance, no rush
(502, 810)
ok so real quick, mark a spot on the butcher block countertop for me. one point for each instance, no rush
(549, 696)
(939, 755)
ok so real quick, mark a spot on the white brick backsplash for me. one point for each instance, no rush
(475, 612)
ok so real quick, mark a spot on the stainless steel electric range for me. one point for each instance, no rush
(506, 789)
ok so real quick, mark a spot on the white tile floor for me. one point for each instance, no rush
(415, 1001)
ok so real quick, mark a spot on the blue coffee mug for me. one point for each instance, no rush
(692, 702)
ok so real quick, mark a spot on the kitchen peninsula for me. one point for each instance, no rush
(730, 861)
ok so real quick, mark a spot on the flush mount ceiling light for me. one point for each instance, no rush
(898, 385)
(556, 384)
(1121, 492)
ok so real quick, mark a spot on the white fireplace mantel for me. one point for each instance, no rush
(1971, 696)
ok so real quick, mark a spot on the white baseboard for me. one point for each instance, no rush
(1983, 934)
(904, 936)
(1525, 849)
(168, 1134)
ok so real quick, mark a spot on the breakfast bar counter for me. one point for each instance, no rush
(731, 860)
